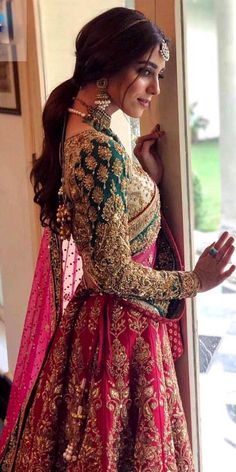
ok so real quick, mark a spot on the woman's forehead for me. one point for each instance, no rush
(153, 56)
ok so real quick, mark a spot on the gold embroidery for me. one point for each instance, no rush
(140, 222)
(176, 437)
(130, 378)
(88, 182)
(132, 417)
(91, 162)
(102, 173)
(144, 239)
(79, 173)
(110, 245)
(97, 195)
(92, 214)
(104, 153)
(137, 322)
(148, 450)
(141, 191)
(117, 167)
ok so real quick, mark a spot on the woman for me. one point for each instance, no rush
(99, 385)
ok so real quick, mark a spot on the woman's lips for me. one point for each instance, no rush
(144, 103)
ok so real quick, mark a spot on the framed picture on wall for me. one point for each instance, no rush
(6, 23)
(9, 81)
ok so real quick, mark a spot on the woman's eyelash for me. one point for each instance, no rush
(147, 72)
(144, 71)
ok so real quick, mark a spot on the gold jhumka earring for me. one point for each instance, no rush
(103, 99)
(96, 114)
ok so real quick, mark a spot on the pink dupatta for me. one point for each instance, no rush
(43, 312)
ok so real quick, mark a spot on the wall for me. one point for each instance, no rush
(19, 228)
(16, 253)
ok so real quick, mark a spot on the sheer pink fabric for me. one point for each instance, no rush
(72, 270)
(40, 323)
(37, 332)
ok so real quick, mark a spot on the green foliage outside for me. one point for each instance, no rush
(196, 122)
(198, 202)
(206, 184)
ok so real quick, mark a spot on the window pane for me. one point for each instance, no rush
(211, 67)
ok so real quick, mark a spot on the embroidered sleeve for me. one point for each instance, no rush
(101, 229)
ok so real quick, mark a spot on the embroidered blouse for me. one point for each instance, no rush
(116, 214)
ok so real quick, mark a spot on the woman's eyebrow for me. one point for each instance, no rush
(148, 63)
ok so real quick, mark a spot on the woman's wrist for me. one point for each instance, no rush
(198, 280)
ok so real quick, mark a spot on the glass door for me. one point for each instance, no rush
(211, 72)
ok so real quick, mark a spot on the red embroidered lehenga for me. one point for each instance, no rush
(95, 370)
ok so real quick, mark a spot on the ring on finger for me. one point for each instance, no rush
(213, 251)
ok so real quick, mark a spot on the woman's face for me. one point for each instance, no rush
(133, 89)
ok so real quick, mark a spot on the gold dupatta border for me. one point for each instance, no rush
(138, 224)
(144, 227)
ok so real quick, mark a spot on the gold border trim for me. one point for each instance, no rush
(142, 220)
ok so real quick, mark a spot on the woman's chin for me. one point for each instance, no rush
(133, 114)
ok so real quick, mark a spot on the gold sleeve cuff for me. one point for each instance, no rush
(190, 284)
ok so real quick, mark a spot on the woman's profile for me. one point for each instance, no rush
(95, 387)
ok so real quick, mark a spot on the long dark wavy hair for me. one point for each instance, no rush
(104, 46)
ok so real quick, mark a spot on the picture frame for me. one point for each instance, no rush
(6, 22)
(9, 81)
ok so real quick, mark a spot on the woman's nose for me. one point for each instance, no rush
(154, 87)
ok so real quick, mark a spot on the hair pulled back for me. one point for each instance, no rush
(104, 46)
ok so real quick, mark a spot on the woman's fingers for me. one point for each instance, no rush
(155, 134)
(225, 259)
(147, 137)
(207, 250)
(147, 144)
(224, 248)
(211, 264)
(226, 274)
(221, 240)
(143, 147)
(221, 245)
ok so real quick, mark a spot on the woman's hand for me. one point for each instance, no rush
(147, 153)
(211, 265)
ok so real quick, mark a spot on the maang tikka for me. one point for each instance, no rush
(164, 50)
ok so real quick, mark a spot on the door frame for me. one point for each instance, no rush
(170, 110)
